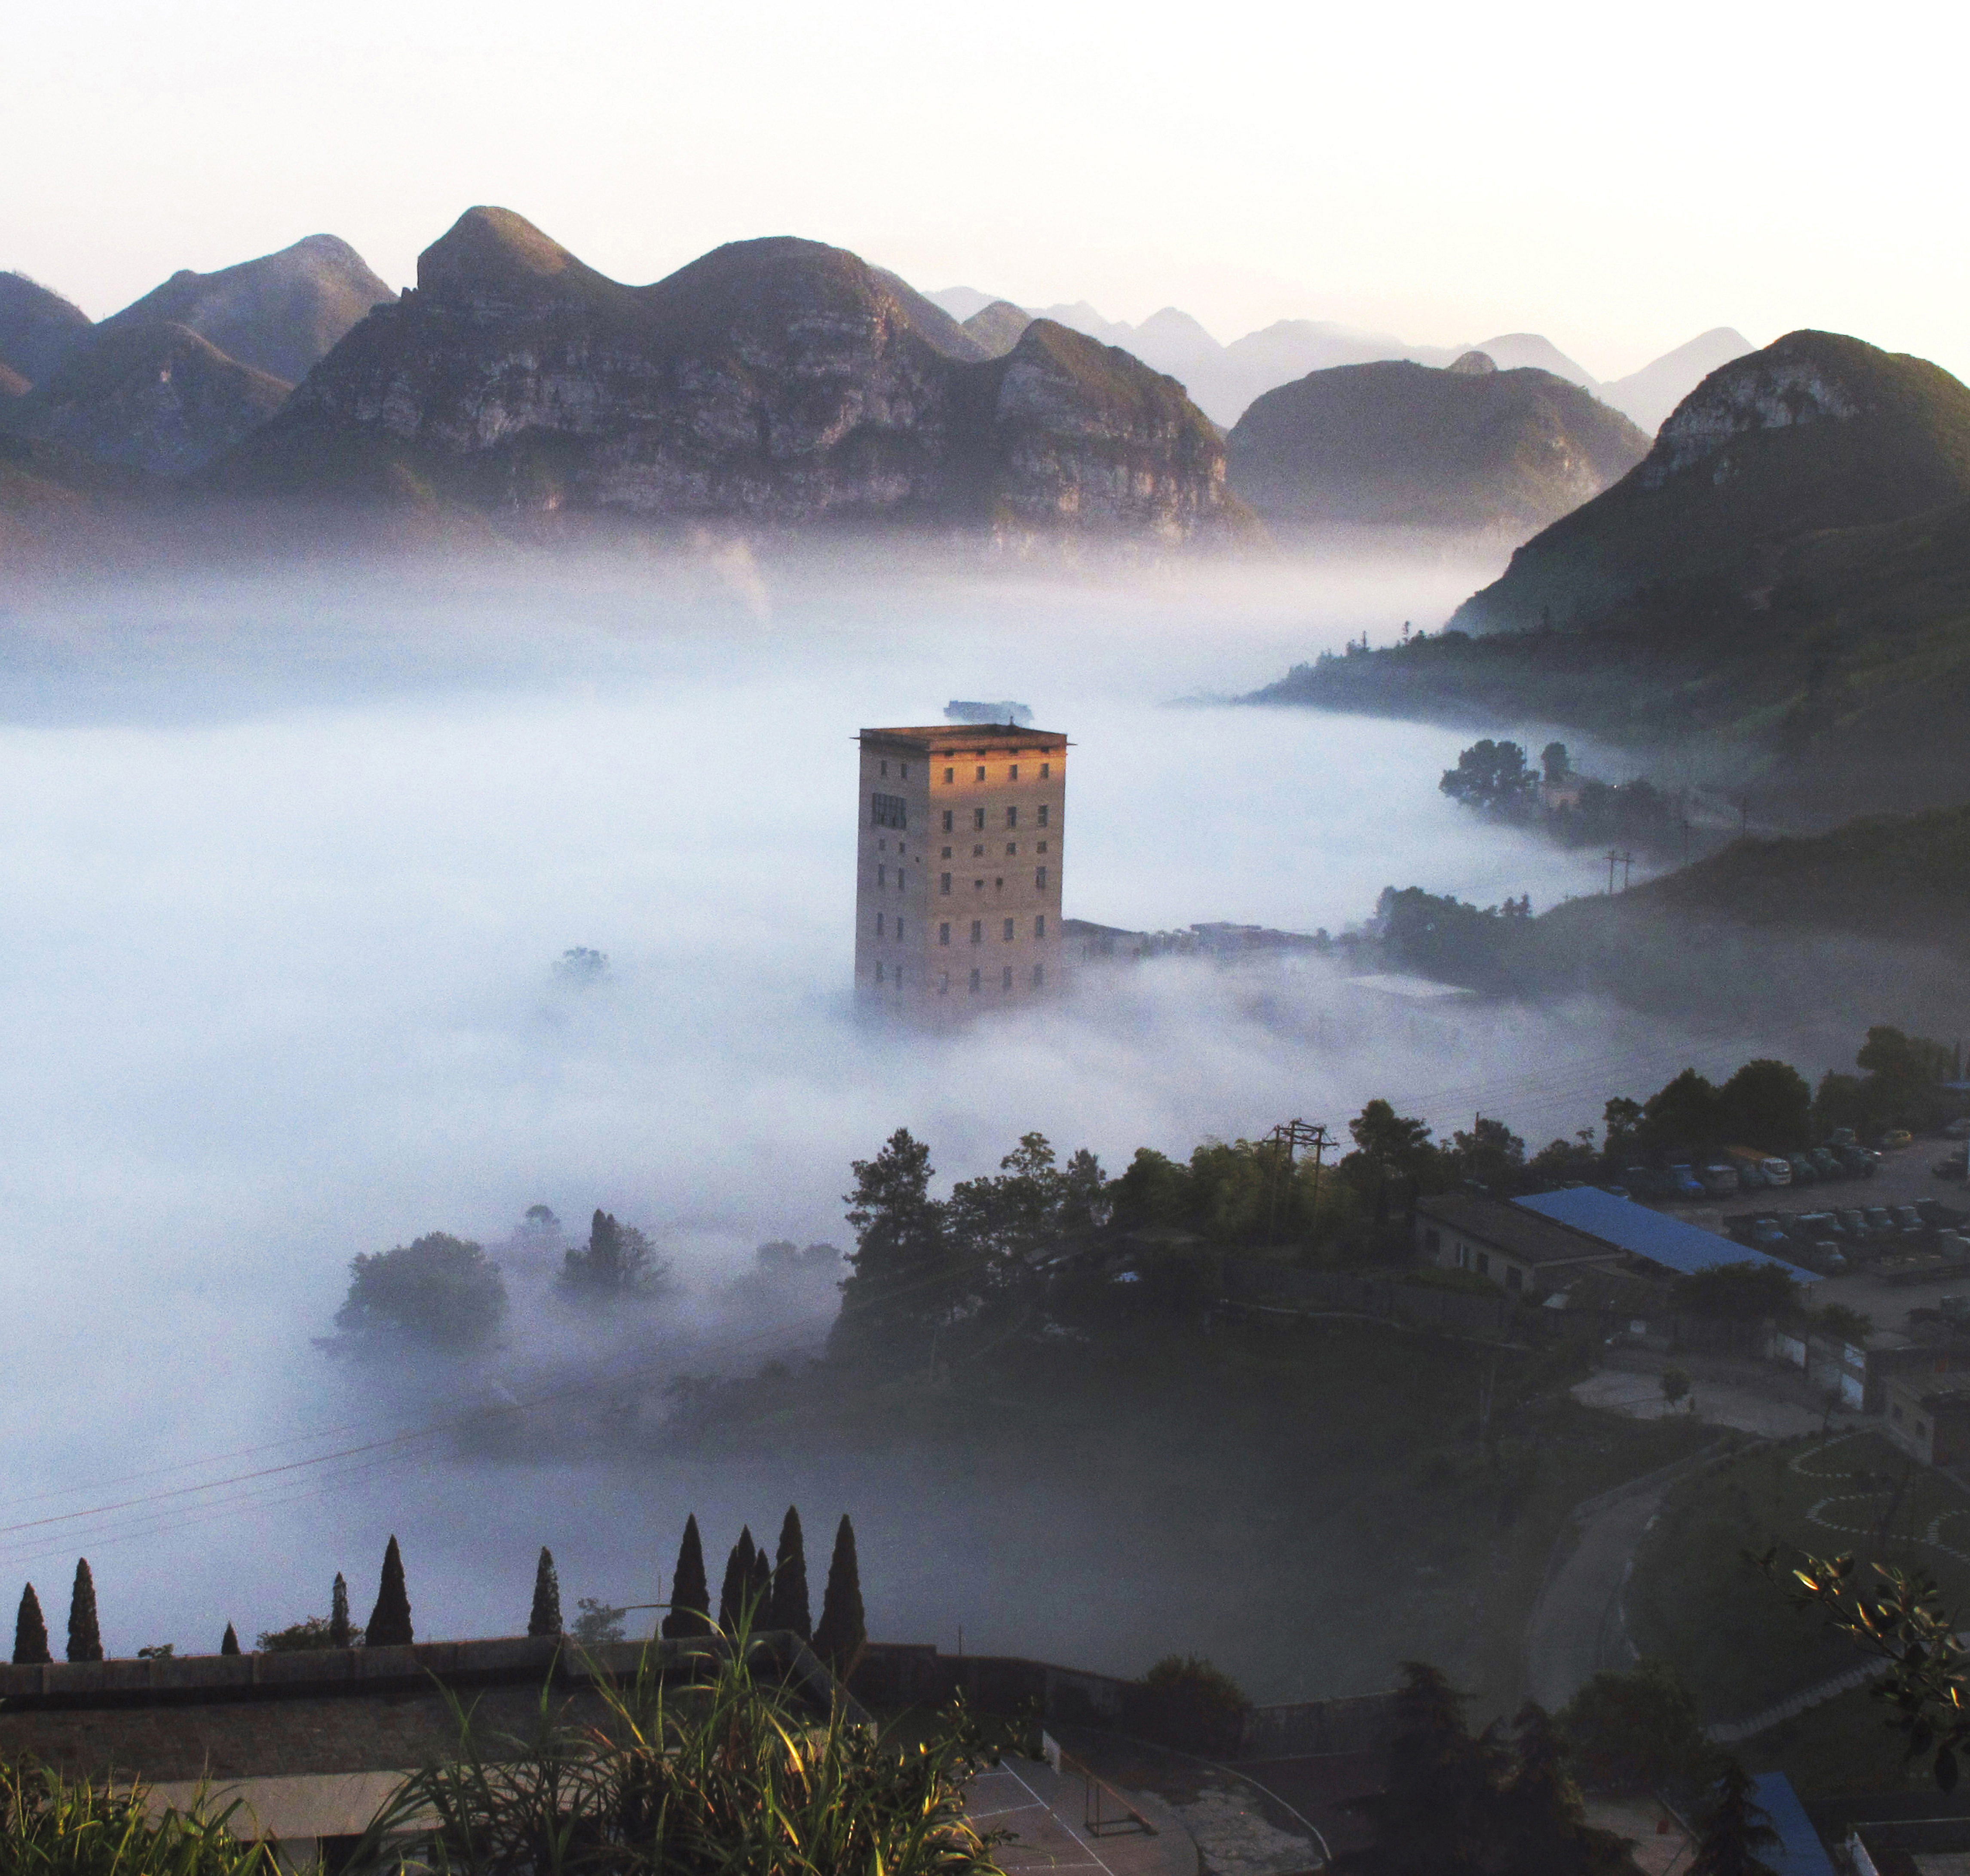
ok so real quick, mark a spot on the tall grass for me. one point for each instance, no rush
(51, 1826)
(728, 1773)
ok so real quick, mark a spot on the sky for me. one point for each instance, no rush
(1617, 178)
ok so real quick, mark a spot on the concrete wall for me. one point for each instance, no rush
(894, 1674)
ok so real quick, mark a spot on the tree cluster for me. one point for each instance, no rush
(617, 1263)
(760, 1593)
(1900, 1085)
(922, 1264)
(437, 1288)
(1495, 779)
(1506, 1802)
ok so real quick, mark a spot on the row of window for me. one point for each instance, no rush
(882, 876)
(1480, 1261)
(977, 929)
(893, 973)
(1041, 814)
(999, 885)
(950, 774)
(1012, 849)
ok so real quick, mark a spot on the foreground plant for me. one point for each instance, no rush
(1902, 1620)
(50, 1826)
(730, 1772)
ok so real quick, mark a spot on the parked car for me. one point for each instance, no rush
(1851, 1220)
(1841, 1136)
(1777, 1171)
(1820, 1225)
(1825, 1165)
(1719, 1182)
(1878, 1219)
(1859, 1162)
(1803, 1171)
(1766, 1233)
(1958, 1130)
(1935, 1213)
(1906, 1218)
(1896, 1139)
(1685, 1183)
(1950, 1169)
(1644, 1181)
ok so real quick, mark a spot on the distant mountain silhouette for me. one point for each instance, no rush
(1649, 395)
(1223, 379)
(280, 313)
(38, 328)
(1467, 447)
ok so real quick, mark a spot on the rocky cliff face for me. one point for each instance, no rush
(778, 382)
(1816, 432)
(281, 314)
(154, 398)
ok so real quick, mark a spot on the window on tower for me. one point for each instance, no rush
(977, 818)
(1012, 817)
(1042, 812)
(1009, 931)
(943, 934)
(947, 821)
(887, 811)
(978, 931)
(943, 883)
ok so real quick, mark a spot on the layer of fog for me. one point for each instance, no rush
(288, 869)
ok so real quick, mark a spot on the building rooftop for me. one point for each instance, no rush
(1537, 1240)
(1799, 1851)
(953, 736)
(1685, 1249)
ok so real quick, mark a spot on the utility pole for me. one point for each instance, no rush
(1743, 815)
(1627, 866)
(1287, 1138)
(1612, 856)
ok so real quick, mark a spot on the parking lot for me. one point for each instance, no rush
(1902, 1177)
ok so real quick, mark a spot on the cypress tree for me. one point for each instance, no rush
(760, 1590)
(790, 1605)
(85, 1638)
(229, 1643)
(690, 1596)
(339, 1635)
(389, 1624)
(545, 1619)
(737, 1589)
(31, 1633)
(840, 1635)
(1735, 1829)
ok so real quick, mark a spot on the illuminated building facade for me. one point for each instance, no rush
(957, 869)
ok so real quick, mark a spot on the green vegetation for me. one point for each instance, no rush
(1188, 1703)
(389, 1624)
(1639, 1729)
(842, 1633)
(789, 1610)
(439, 1288)
(617, 1264)
(85, 1638)
(545, 1617)
(690, 1595)
(1696, 1602)
(30, 1631)
(1395, 443)
(728, 1772)
(1487, 1805)
(51, 1826)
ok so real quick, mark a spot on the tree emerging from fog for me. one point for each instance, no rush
(617, 1264)
(437, 1288)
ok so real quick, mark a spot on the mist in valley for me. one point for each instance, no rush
(290, 864)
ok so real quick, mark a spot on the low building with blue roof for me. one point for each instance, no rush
(1675, 1248)
(1799, 1851)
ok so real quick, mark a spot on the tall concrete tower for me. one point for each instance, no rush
(957, 869)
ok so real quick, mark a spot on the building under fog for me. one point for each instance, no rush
(957, 869)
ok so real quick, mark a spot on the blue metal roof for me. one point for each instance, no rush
(1683, 1248)
(1799, 1851)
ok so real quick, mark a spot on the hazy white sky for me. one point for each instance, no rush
(1617, 178)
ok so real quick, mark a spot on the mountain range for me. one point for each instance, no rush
(1784, 581)
(1465, 446)
(1223, 380)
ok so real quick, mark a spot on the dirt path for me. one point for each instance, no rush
(1575, 1626)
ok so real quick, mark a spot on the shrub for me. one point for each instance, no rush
(729, 1773)
(1188, 1703)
